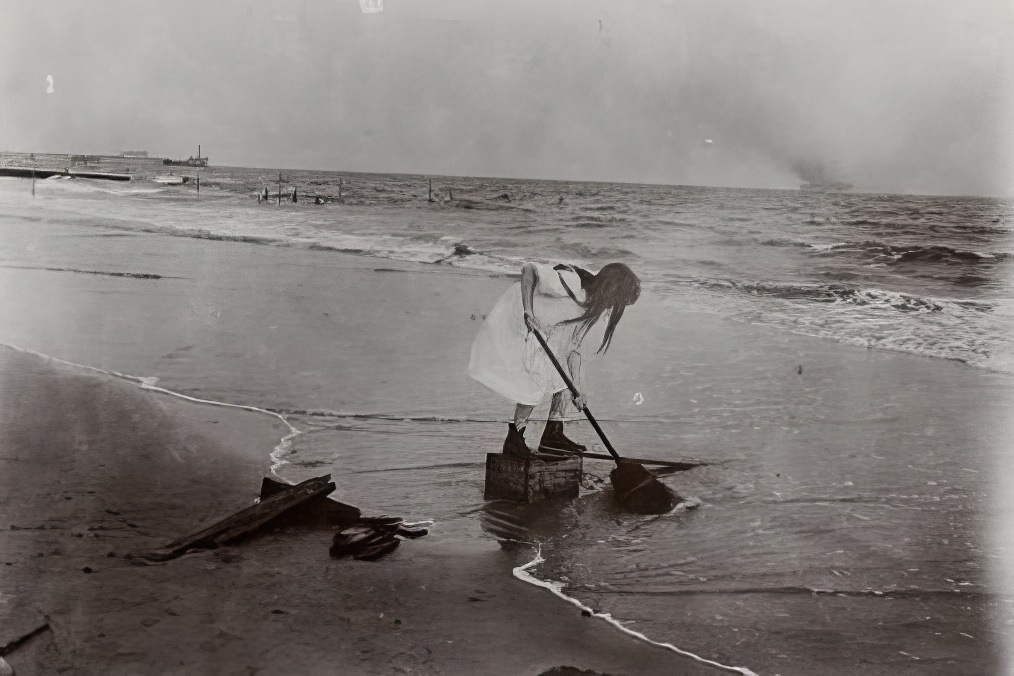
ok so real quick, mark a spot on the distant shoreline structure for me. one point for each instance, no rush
(189, 162)
(34, 173)
(125, 161)
(63, 162)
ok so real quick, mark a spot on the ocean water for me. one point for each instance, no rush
(919, 274)
(842, 360)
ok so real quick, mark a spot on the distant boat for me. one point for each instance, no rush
(828, 186)
(189, 162)
(170, 179)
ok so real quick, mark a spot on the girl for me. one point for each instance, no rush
(563, 303)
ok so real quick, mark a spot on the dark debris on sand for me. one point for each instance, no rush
(372, 538)
(302, 505)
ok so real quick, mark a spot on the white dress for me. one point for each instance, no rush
(508, 359)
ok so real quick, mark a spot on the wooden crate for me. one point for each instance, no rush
(511, 477)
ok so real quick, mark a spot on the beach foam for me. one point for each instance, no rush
(521, 572)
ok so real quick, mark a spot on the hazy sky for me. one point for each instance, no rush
(906, 95)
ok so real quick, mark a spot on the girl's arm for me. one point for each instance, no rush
(529, 280)
(574, 366)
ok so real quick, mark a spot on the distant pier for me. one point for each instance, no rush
(29, 172)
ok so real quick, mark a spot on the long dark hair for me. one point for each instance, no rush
(613, 288)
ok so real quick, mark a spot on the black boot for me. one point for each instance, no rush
(553, 439)
(515, 444)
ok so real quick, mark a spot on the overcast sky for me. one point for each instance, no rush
(905, 95)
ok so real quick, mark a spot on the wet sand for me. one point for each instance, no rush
(95, 468)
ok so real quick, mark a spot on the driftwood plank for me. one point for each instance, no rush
(318, 511)
(245, 520)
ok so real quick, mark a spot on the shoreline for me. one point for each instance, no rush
(150, 384)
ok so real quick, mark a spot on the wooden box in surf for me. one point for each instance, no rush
(531, 479)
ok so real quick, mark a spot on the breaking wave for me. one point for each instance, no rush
(845, 293)
(881, 252)
(944, 328)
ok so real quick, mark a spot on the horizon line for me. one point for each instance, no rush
(855, 191)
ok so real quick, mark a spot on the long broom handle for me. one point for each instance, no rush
(573, 391)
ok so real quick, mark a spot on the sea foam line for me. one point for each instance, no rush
(521, 572)
(443, 419)
(281, 449)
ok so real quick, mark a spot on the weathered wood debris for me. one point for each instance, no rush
(305, 504)
(15, 643)
(373, 538)
(531, 478)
